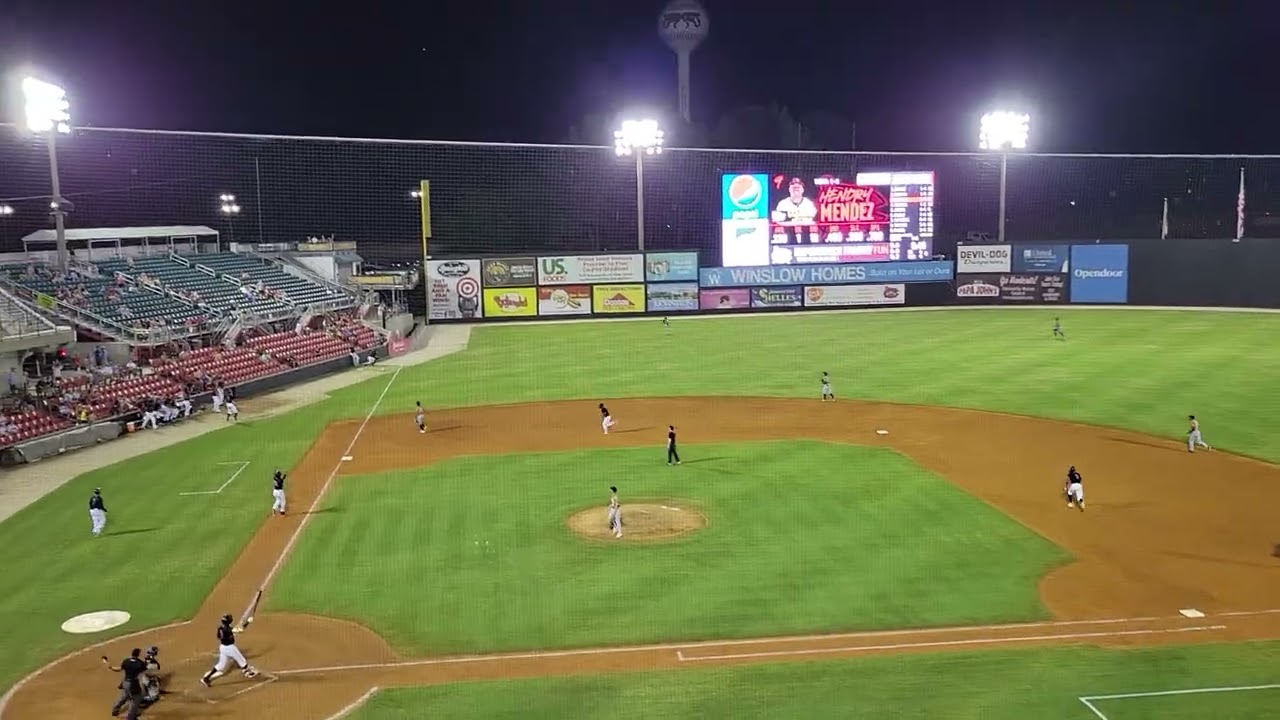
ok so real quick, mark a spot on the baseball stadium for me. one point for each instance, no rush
(906, 547)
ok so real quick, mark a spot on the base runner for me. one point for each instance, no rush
(606, 420)
(1075, 489)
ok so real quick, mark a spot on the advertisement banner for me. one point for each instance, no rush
(1099, 273)
(1041, 258)
(615, 299)
(984, 259)
(453, 289)
(509, 272)
(564, 300)
(672, 297)
(886, 272)
(726, 299)
(1013, 288)
(502, 303)
(590, 269)
(671, 267)
(854, 295)
(763, 297)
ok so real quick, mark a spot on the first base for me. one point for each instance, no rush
(347, 458)
(882, 432)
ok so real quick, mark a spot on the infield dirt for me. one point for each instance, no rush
(1166, 530)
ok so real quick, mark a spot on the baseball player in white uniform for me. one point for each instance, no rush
(615, 512)
(420, 417)
(1193, 436)
(277, 492)
(827, 394)
(1075, 489)
(228, 653)
(233, 412)
(97, 512)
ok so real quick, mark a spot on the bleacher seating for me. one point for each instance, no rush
(251, 269)
(220, 295)
(103, 297)
(21, 426)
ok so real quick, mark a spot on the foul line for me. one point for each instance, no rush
(1088, 700)
(352, 707)
(243, 464)
(328, 481)
(680, 647)
(943, 643)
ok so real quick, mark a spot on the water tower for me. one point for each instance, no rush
(683, 25)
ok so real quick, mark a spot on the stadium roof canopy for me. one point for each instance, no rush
(123, 233)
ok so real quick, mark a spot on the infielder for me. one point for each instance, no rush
(606, 420)
(97, 512)
(420, 417)
(1193, 436)
(615, 512)
(673, 456)
(827, 394)
(228, 653)
(1075, 489)
(277, 492)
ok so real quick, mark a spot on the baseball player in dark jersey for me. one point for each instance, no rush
(673, 457)
(1075, 489)
(1057, 329)
(133, 667)
(277, 492)
(228, 653)
(97, 512)
(606, 420)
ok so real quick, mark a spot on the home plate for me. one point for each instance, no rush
(1191, 613)
(882, 432)
(347, 458)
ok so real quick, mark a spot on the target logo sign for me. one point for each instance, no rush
(468, 287)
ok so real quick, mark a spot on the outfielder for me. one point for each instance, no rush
(97, 512)
(1075, 489)
(228, 653)
(606, 420)
(1057, 329)
(420, 417)
(277, 492)
(615, 512)
(1193, 436)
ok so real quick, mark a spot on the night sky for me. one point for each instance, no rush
(1172, 76)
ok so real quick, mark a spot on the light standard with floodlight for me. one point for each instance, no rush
(48, 113)
(1002, 132)
(639, 138)
(6, 210)
(230, 208)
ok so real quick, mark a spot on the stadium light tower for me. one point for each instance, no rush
(229, 208)
(638, 138)
(48, 114)
(1004, 131)
(6, 210)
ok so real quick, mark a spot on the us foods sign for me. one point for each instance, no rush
(984, 259)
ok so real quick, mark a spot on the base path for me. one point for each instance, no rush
(1166, 530)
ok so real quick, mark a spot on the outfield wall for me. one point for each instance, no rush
(1178, 273)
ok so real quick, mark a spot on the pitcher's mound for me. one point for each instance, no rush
(641, 522)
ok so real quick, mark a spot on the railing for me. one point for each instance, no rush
(19, 321)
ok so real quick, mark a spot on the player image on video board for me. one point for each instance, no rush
(794, 215)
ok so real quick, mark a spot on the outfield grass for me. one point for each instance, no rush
(802, 537)
(990, 685)
(1139, 369)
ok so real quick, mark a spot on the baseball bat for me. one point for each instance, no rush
(247, 618)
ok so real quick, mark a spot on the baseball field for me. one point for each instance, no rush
(902, 552)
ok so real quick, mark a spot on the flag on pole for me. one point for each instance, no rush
(1164, 221)
(1240, 208)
